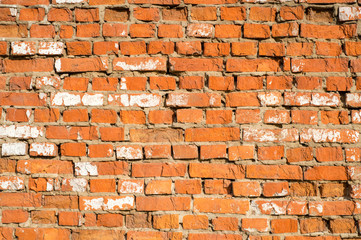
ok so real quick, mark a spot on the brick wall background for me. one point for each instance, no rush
(180, 119)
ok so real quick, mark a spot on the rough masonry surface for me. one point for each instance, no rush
(180, 119)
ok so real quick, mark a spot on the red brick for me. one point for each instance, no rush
(32, 14)
(163, 203)
(42, 31)
(170, 31)
(174, 14)
(252, 65)
(59, 15)
(116, 15)
(160, 116)
(132, 48)
(284, 225)
(262, 14)
(244, 48)
(69, 218)
(142, 30)
(191, 82)
(328, 32)
(274, 172)
(208, 170)
(233, 13)
(228, 31)
(159, 187)
(195, 222)
(73, 149)
(217, 205)
(33, 65)
(211, 134)
(192, 64)
(225, 223)
(252, 189)
(258, 31)
(14, 216)
(204, 13)
(188, 187)
(146, 14)
(328, 49)
(270, 153)
(79, 48)
(189, 115)
(88, 30)
(102, 185)
(162, 83)
(292, 13)
(110, 220)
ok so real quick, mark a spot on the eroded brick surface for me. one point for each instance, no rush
(180, 119)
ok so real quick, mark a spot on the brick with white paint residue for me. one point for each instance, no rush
(11, 183)
(131, 186)
(51, 48)
(129, 152)
(43, 149)
(50, 81)
(14, 149)
(21, 131)
(23, 48)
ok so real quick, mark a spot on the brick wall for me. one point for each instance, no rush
(180, 119)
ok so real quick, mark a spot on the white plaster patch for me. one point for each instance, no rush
(200, 30)
(148, 65)
(93, 204)
(104, 61)
(144, 100)
(261, 135)
(325, 100)
(293, 98)
(321, 135)
(120, 203)
(353, 99)
(23, 48)
(92, 99)
(13, 12)
(130, 186)
(77, 184)
(316, 208)
(269, 98)
(329, 135)
(85, 169)
(43, 149)
(129, 152)
(58, 65)
(11, 183)
(21, 131)
(273, 208)
(123, 83)
(135, 100)
(49, 186)
(51, 48)
(178, 99)
(284, 192)
(349, 13)
(66, 99)
(28, 113)
(14, 149)
(297, 67)
(356, 116)
(51, 81)
(356, 193)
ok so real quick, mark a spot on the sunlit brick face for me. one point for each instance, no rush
(180, 119)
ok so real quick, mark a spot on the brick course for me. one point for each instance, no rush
(180, 119)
